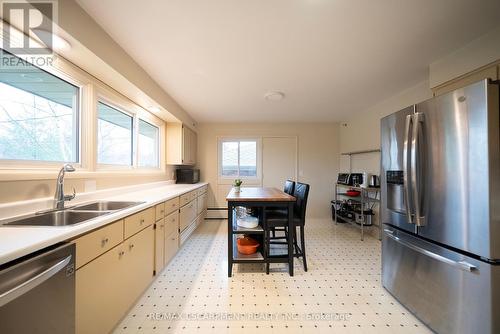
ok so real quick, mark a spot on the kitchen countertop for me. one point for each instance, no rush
(18, 241)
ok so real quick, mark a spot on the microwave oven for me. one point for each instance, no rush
(190, 175)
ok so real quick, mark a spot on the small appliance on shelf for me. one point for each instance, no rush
(356, 195)
(350, 179)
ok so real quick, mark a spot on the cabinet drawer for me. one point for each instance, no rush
(172, 223)
(171, 205)
(187, 214)
(193, 194)
(160, 211)
(171, 246)
(139, 221)
(202, 190)
(97, 242)
(185, 199)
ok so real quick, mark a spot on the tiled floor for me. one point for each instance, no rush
(340, 293)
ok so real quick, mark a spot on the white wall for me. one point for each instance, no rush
(318, 157)
(480, 52)
(362, 132)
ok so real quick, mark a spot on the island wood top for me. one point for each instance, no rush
(259, 194)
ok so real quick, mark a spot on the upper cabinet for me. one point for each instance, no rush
(181, 145)
(488, 72)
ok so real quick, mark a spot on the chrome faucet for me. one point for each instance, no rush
(59, 197)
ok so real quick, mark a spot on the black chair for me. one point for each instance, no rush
(277, 219)
(289, 189)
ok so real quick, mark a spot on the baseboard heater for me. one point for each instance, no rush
(216, 213)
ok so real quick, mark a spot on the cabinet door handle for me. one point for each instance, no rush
(104, 241)
(131, 246)
(121, 253)
(142, 221)
(162, 226)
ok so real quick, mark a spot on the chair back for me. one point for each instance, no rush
(289, 187)
(301, 193)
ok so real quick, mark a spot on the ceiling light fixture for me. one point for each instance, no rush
(274, 96)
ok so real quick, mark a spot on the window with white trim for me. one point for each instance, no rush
(114, 136)
(39, 114)
(238, 158)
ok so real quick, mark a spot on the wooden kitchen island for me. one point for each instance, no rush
(261, 198)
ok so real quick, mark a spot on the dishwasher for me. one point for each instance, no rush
(37, 292)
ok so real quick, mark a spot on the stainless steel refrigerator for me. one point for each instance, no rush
(440, 184)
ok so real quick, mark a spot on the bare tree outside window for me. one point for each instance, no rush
(38, 115)
(114, 136)
(148, 145)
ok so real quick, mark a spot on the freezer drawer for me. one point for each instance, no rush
(448, 291)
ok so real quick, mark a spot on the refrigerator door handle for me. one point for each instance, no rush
(406, 167)
(418, 120)
(463, 265)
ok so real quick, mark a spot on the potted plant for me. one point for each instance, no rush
(236, 185)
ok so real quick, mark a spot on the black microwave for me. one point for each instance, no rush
(188, 175)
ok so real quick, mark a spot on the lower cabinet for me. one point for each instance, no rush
(116, 263)
(139, 256)
(171, 246)
(107, 287)
(160, 245)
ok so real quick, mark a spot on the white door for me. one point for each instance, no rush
(279, 160)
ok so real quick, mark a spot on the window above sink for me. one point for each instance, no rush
(55, 114)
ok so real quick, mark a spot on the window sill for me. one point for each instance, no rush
(246, 180)
(46, 174)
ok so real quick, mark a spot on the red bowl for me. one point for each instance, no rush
(247, 245)
(353, 193)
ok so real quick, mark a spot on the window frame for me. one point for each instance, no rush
(117, 101)
(78, 81)
(229, 179)
(132, 138)
(158, 155)
(88, 88)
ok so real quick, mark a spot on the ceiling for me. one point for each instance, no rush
(331, 58)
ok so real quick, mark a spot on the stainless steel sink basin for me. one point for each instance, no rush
(70, 216)
(57, 218)
(105, 206)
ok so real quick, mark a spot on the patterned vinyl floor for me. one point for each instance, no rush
(340, 293)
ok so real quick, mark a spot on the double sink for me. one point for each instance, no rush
(71, 215)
